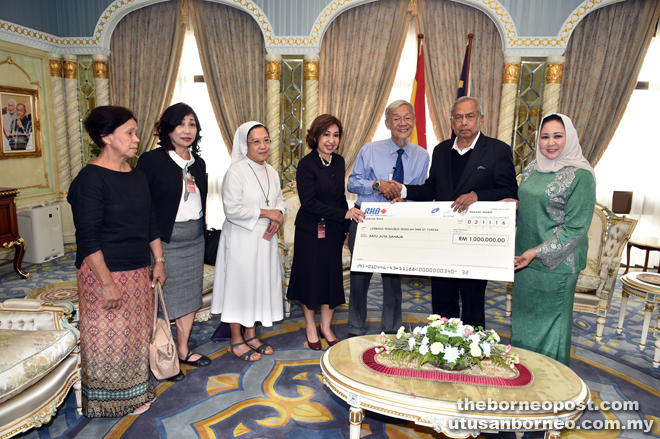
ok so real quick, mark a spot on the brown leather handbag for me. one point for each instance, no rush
(163, 358)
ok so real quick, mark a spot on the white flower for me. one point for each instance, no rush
(423, 349)
(435, 323)
(451, 354)
(436, 348)
(495, 335)
(474, 338)
(433, 317)
(411, 342)
(425, 341)
(400, 332)
(417, 330)
(475, 350)
(486, 348)
(455, 321)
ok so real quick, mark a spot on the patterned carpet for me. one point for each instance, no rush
(282, 395)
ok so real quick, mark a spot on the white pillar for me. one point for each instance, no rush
(61, 145)
(311, 76)
(510, 76)
(273, 109)
(57, 85)
(554, 73)
(72, 113)
(101, 74)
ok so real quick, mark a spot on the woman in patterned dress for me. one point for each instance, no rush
(115, 232)
(557, 197)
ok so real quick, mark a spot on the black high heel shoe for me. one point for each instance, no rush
(316, 346)
(330, 342)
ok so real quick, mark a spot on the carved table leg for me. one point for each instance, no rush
(648, 310)
(509, 297)
(355, 416)
(18, 256)
(656, 358)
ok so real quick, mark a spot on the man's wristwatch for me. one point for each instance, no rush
(159, 260)
(376, 185)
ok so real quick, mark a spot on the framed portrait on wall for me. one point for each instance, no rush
(20, 123)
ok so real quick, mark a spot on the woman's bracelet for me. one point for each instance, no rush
(159, 260)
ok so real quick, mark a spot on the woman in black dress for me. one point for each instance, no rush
(321, 226)
(177, 180)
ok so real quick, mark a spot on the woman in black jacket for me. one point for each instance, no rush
(321, 226)
(178, 184)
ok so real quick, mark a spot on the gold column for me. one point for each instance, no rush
(510, 76)
(101, 74)
(554, 73)
(72, 113)
(311, 77)
(273, 109)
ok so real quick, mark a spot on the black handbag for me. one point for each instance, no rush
(211, 242)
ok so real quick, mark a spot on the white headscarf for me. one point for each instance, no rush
(570, 156)
(14, 115)
(239, 151)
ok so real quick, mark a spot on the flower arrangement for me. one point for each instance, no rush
(447, 343)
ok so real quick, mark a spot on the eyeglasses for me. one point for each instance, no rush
(406, 119)
(469, 117)
(259, 143)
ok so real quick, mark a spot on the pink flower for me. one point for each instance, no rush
(382, 337)
(444, 319)
(467, 331)
(508, 349)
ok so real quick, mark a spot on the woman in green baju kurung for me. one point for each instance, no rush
(557, 197)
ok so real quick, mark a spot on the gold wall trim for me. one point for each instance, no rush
(56, 68)
(273, 70)
(71, 69)
(511, 74)
(100, 69)
(311, 70)
(554, 73)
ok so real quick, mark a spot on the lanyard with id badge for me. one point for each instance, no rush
(189, 183)
(321, 229)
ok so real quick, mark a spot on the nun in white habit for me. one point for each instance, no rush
(248, 272)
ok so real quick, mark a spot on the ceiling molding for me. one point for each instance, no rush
(99, 43)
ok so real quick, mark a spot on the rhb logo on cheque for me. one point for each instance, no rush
(374, 210)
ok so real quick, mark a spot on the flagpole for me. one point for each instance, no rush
(467, 74)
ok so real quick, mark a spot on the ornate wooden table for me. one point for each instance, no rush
(9, 228)
(631, 284)
(434, 404)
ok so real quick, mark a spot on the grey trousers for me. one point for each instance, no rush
(357, 305)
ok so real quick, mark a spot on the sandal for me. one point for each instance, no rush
(200, 362)
(246, 356)
(261, 349)
(142, 409)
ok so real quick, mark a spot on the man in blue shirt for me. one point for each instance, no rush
(377, 164)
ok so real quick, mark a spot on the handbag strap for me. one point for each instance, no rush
(158, 290)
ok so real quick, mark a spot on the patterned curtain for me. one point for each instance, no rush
(446, 25)
(603, 59)
(358, 61)
(233, 54)
(146, 51)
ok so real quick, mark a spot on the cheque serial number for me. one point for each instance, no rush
(480, 239)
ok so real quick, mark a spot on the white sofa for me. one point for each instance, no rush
(39, 363)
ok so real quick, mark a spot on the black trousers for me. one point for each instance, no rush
(444, 299)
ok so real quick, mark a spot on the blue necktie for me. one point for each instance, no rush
(398, 169)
